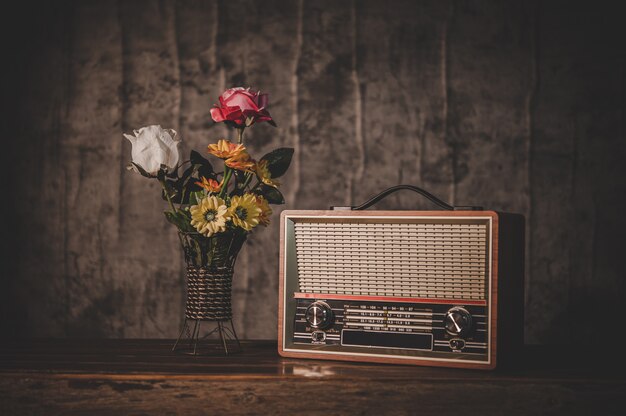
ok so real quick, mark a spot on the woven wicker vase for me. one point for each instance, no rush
(210, 265)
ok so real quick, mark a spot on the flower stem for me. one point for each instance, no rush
(247, 181)
(228, 172)
(167, 195)
(240, 135)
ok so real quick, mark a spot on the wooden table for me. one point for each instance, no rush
(143, 377)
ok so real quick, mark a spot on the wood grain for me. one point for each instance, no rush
(142, 376)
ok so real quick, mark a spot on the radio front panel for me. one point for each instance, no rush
(415, 329)
(390, 288)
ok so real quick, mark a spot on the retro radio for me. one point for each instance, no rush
(440, 288)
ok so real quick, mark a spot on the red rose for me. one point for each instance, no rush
(238, 104)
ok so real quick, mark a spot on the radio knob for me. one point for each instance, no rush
(319, 315)
(458, 321)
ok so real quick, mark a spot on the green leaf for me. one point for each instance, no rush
(185, 185)
(187, 174)
(240, 178)
(196, 197)
(182, 183)
(278, 161)
(204, 166)
(207, 172)
(192, 198)
(170, 187)
(196, 158)
(270, 193)
(180, 220)
(187, 191)
(189, 171)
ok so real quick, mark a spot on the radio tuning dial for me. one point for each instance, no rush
(319, 315)
(458, 321)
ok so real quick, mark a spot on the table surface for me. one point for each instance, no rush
(79, 376)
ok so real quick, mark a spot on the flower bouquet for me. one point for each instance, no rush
(214, 210)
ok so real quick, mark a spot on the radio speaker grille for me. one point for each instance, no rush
(431, 260)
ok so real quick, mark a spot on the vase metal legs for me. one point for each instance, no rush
(189, 340)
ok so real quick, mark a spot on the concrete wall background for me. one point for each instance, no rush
(515, 106)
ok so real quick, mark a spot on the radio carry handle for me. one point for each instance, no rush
(420, 191)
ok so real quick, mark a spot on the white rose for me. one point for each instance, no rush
(153, 147)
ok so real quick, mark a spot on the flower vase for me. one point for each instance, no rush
(210, 265)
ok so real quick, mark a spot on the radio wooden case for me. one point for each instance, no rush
(437, 288)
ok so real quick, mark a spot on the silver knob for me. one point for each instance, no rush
(319, 315)
(458, 321)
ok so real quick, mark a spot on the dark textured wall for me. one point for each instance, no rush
(516, 106)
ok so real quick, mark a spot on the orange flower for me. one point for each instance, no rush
(224, 149)
(242, 162)
(235, 155)
(266, 211)
(210, 185)
(264, 174)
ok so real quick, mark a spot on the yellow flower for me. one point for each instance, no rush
(266, 211)
(209, 216)
(210, 185)
(224, 149)
(244, 211)
(264, 174)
